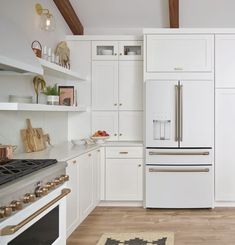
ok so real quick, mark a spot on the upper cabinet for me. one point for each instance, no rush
(130, 50)
(179, 53)
(225, 61)
(117, 50)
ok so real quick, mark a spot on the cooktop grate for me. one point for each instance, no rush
(17, 168)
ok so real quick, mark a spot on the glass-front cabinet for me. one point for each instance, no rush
(117, 50)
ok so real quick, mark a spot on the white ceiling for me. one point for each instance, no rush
(122, 13)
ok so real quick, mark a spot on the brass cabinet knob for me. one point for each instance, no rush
(29, 197)
(98, 150)
(5, 211)
(115, 54)
(139, 165)
(115, 104)
(120, 104)
(120, 134)
(74, 161)
(89, 155)
(115, 134)
(120, 54)
(16, 205)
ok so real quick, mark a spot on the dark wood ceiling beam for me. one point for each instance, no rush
(71, 18)
(174, 13)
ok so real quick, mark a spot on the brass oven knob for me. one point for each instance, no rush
(41, 191)
(5, 211)
(29, 197)
(50, 185)
(16, 205)
(64, 178)
(58, 181)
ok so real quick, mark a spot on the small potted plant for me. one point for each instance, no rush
(52, 94)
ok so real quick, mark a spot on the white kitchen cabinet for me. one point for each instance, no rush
(86, 185)
(106, 120)
(179, 53)
(124, 179)
(130, 50)
(96, 161)
(130, 85)
(72, 198)
(224, 145)
(104, 50)
(104, 85)
(225, 61)
(197, 123)
(131, 125)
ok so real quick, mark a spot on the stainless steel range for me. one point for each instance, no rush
(32, 203)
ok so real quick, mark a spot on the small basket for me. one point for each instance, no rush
(37, 48)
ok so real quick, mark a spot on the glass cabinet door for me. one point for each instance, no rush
(104, 50)
(131, 50)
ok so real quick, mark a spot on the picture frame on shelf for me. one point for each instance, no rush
(66, 95)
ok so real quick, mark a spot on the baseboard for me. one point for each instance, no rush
(224, 204)
(120, 204)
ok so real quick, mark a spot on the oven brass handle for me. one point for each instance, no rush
(11, 229)
(201, 170)
(203, 153)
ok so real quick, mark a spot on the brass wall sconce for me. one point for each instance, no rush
(47, 19)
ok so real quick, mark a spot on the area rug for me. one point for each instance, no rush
(143, 238)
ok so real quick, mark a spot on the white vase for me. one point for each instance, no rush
(53, 100)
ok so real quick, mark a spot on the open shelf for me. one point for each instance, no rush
(59, 71)
(39, 107)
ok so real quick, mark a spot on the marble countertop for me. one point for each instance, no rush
(66, 151)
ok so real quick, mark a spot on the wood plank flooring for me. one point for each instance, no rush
(191, 227)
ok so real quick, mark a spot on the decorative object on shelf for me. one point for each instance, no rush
(37, 48)
(33, 138)
(62, 51)
(66, 95)
(20, 99)
(52, 94)
(47, 19)
(37, 82)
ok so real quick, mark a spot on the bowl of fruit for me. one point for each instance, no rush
(100, 136)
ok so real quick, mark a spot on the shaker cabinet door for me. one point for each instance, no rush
(130, 85)
(104, 85)
(180, 53)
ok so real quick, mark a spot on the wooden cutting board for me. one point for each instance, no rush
(33, 138)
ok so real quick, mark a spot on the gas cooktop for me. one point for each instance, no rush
(17, 168)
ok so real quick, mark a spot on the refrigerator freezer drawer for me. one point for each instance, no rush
(179, 187)
(179, 156)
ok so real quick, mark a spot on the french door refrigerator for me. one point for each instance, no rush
(179, 136)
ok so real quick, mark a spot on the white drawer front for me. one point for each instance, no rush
(179, 187)
(179, 156)
(124, 152)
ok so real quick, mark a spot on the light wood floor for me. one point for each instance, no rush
(191, 227)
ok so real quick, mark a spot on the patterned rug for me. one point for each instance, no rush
(143, 238)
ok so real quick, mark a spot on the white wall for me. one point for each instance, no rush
(207, 13)
(22, 12)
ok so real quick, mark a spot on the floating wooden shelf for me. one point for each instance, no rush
(40, 107)
(59, 71)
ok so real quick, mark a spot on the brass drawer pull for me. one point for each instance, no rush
(123, 152)
(11, 229)
(204, 153)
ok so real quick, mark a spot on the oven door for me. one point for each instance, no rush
(172, 186)
(41, 223)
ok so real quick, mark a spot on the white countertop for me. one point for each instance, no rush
(67, 151)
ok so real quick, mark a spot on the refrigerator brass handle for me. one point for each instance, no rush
(176, 112)
(11, 229)
(181, 113)
(201, 170)
(203, 153)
